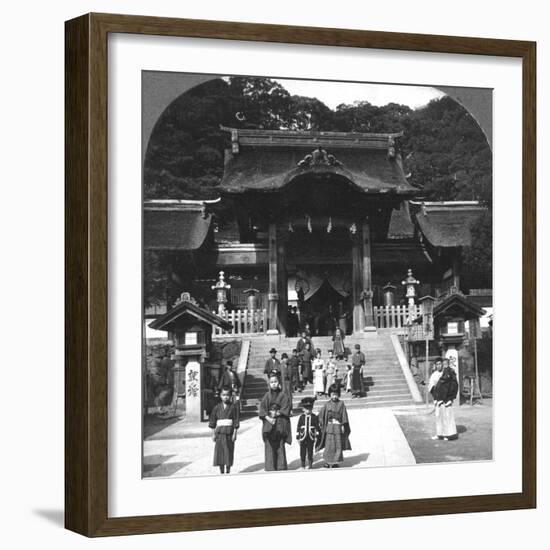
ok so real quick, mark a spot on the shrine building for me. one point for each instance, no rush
(324, 221)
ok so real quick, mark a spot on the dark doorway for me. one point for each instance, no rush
(326, 310)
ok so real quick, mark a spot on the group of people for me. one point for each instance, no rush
(329, 431)
(325, 321)
(307, 366)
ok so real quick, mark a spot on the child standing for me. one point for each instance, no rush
(335, 429)
(224, 421)
(307, 431)
(341, 372)
(331, 370)
(318, 373)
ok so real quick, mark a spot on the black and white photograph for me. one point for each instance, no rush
(317, 275)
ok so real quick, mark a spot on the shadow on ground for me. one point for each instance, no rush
(154, 424)
(57, 517)
(475, 435)
(155, 466)
(318, 463)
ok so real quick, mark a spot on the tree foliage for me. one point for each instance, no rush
(444, 151)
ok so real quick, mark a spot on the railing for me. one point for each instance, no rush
(393, 316)
(244, 321)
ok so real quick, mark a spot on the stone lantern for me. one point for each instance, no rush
(221, 288)
(192, 329)
(410, 284)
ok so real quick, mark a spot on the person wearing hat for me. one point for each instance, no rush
(307, 432)
(272, 363)
(358, 361)
(274, 412)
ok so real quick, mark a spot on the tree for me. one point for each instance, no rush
(477, 259)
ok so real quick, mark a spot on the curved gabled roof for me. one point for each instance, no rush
(268, 160)
(448, 224)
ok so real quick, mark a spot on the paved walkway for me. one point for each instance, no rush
(376, 440)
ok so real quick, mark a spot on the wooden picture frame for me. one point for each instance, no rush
(86, 280)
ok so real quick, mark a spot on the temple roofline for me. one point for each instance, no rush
(310, 138)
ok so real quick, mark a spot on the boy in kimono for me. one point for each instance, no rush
(224, 422)
(335, 429)
(307, 432)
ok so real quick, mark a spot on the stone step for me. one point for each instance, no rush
(384, 382)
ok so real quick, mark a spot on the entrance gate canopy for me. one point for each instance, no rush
(311, 280)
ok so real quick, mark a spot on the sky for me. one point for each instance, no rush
(333, 94)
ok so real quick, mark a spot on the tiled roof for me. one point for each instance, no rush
(174, 225)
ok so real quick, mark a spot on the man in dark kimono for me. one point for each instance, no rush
(301, 343)
(274, 412)
(272, 364)
(306, 357)
(358, 361)
(294, 365)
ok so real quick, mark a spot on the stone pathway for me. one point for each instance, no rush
(376, 440)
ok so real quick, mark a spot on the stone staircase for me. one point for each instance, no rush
(384, 382)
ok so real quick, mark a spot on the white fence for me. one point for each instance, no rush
(244, 321)
(393, 316)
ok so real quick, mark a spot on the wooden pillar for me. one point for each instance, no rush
(272, 296)
(282, 285)
(456, 268)
(367, 278)
(357, 282)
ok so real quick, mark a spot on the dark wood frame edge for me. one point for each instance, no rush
(86, 428)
